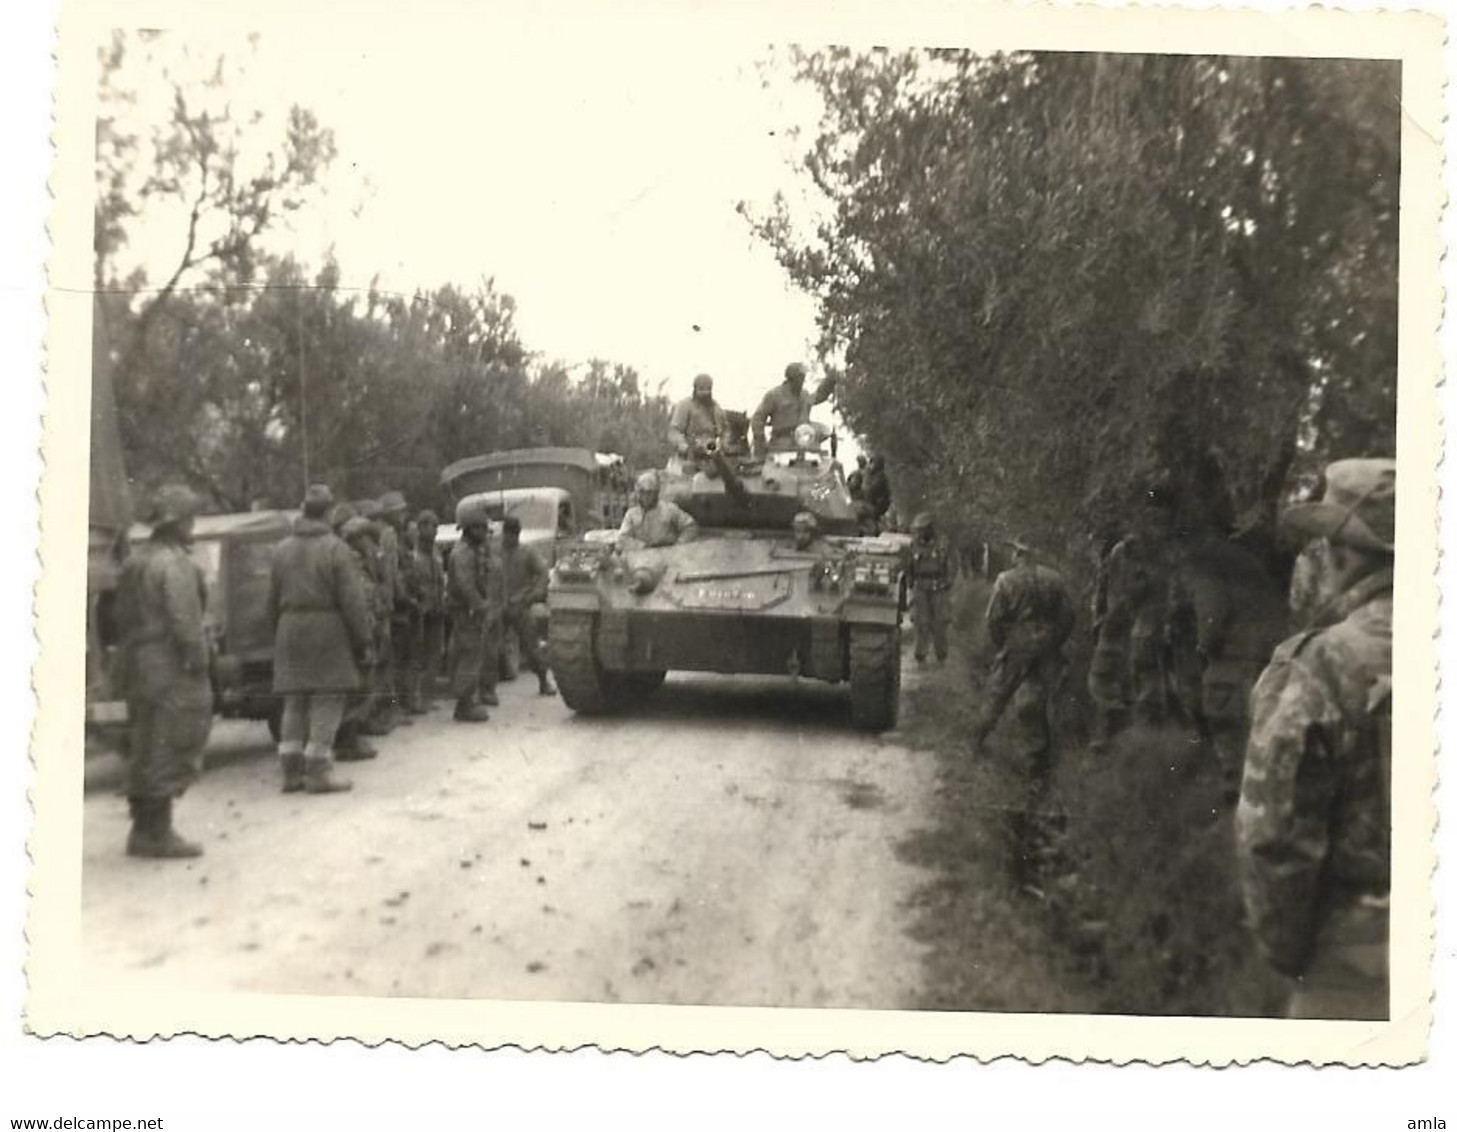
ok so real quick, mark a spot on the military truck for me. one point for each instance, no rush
(739, 598)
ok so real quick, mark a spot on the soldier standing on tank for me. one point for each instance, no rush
(430, 582)
(698, 423)
(1313, 826)
(652, 521)
(931, 575)
(525, 576)
(1028, 619)
(161, 598)
(468, 587)
(321, 642)
(784, 408)
(855, 481)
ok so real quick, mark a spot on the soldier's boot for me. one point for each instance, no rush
(467, 710)
(293, 772)
(319, 776)
(350, 746)
(544, 685)
(152, 834)
(415, 702)
(488, 697)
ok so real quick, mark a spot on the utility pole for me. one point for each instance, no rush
(303, 384)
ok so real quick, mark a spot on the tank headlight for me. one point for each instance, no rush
(806, 437)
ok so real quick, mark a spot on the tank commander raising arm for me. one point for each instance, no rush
(654, 522)
(786, 407)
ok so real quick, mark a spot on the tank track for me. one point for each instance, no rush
(584, 685)
(875, 677)
(574, 661)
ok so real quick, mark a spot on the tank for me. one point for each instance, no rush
(740, 597)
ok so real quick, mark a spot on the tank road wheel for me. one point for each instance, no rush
(875, 677)
(571, 645)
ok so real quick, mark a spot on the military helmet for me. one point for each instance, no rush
(356, 526)
(469, 512)
(428, 516)
(923, 522)
(369, 508)
(173, 503)
(341, 514)
(807, 520)
(392, 502)
(648, 481)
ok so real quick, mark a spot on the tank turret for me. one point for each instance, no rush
(731, 489)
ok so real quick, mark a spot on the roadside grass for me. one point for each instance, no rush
(1135, 907)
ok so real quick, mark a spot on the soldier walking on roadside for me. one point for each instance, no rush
(525, 578)
(468, 587)
(321, 642)
(1028, 619)
(1313, 827)
(161, 597)
(932, 573)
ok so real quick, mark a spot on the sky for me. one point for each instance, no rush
(595, 176)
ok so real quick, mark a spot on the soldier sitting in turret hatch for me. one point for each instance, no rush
(654, 522)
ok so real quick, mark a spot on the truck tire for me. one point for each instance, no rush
(875, 677)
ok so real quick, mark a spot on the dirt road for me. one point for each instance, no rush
(732, 843)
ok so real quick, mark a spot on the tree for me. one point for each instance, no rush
(1055, 278)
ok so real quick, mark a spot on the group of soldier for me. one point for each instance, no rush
(362, 602)
(1300, 730)
(364, 606)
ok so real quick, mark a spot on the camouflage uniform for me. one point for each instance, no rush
(1028, 618)
(1127, 667)
(932, 573)
(1237, 617)
(1314, 818)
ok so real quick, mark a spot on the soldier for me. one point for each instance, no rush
(379, 719)
(350, 745)
(931, 575)
(1313, 826)
(855, 481)
(321, 642)
(429, 574)
(1236, 617)
(807, 533)
(877, 487)
(161, 597)
(654, 522)
(525, 577)
(468, 588)
(394, 561)
(786, 407)
(1028, 618)
(698, 423)
(1127, 667)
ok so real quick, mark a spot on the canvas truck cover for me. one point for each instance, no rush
(572, 469)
